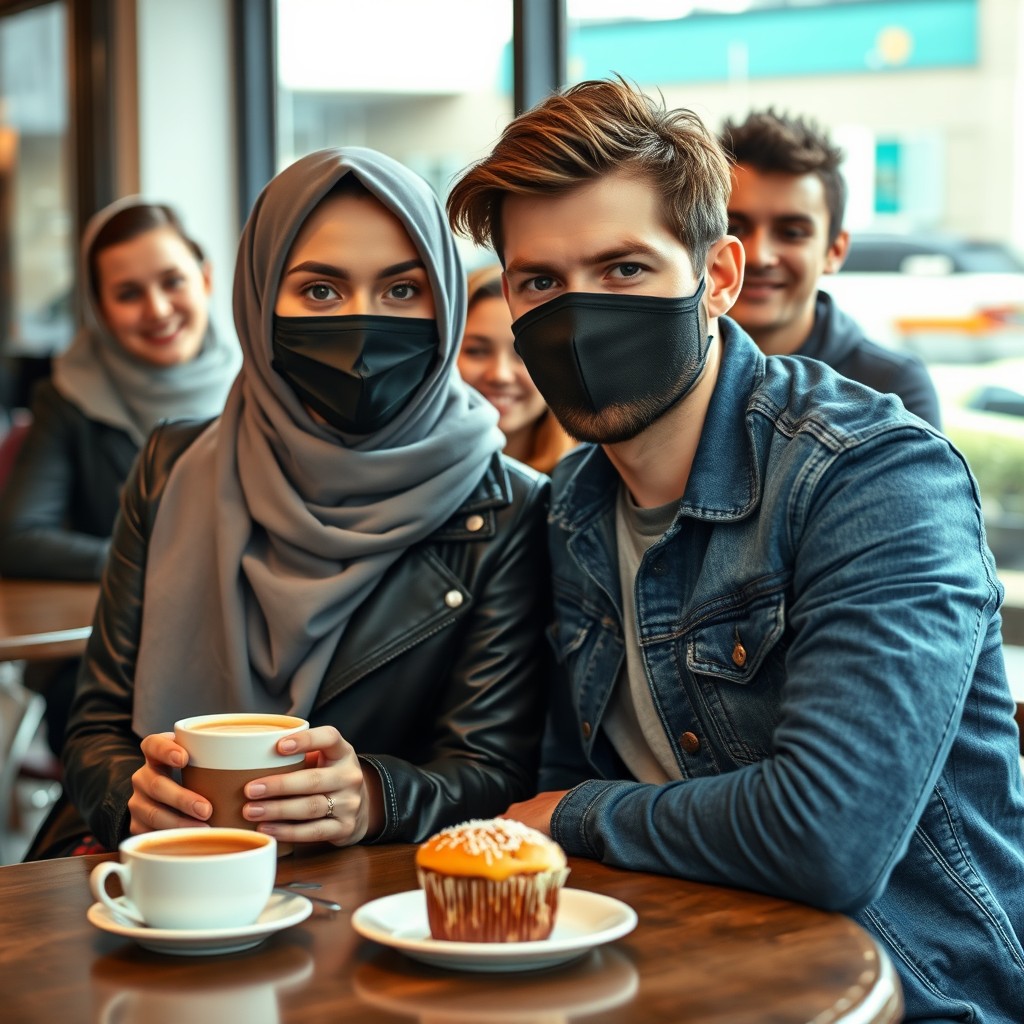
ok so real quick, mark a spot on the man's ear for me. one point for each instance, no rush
(724, 265)
(207, 270)
(835, 257)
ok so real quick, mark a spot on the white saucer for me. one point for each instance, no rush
(282, 911)
(585, 919)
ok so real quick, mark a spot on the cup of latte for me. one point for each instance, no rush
(227, 751)
(193, 878)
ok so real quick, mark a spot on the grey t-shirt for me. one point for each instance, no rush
(632, 722)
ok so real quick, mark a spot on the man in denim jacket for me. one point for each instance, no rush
(776, 612)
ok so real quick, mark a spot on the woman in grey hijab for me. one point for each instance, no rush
(146, 351)
(344, 543)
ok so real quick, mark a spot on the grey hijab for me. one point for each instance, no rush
(274, 528)
(98, 376)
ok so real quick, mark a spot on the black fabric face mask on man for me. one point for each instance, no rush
(630, 356)
(358, 372)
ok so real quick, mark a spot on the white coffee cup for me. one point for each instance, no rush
(191, 878)
(225, 752)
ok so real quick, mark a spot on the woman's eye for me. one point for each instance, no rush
(320, 292)
(403, 291)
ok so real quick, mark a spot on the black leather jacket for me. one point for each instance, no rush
(438, 681)
(58, 508)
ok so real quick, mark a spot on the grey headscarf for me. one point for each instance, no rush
(113, 387)
(274, 528)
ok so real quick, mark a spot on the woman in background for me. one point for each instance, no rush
(345, 543)
(146, 351)
(489, 362)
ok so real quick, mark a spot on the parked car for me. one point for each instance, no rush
(949, 299)
(983, 415)
(929, 254)
(959, 304)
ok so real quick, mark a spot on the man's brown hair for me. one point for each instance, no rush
(771, 142)
(585, 132)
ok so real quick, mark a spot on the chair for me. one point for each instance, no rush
(10, 443)
(21, 712)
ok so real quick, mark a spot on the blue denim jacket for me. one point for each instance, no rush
(821, 634)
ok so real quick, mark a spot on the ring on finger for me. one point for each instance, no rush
(330, 806)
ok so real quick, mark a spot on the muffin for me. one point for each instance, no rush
(491, 881)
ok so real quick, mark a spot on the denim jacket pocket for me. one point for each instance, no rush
(737, 662)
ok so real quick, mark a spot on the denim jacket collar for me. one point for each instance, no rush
(725, 480)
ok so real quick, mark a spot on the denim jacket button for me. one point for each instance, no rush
(739, 655)
(586, 730)
(689, 742)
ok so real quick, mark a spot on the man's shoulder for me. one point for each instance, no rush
(846, 345)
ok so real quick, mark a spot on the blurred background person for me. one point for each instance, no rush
(786, 207)
(489, 362)
(146, 351)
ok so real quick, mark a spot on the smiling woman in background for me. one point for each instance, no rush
(146, 351)
(489, 362)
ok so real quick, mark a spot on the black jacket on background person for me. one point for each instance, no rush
(837, 340)
(57, 511)
(438, 681)
(56, 516)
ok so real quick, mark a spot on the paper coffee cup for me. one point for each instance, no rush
(225, 752)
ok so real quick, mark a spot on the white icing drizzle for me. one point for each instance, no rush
(492, 838)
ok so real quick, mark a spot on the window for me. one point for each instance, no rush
(430, 84)
(36, 268)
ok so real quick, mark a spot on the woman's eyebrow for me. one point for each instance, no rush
(313, 267)
(401, 268)
(328, 270)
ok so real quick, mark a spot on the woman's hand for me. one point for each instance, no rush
(333, 799)
(157, 801)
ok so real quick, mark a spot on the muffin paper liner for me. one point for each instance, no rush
(521, 908)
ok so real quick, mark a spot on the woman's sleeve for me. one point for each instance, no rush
(487, 726)
(101, 751)
(35, 509)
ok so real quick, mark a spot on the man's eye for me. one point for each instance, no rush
(629, 269)
(541, 284)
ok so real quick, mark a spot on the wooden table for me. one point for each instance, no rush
(45, 618)
(699, 954)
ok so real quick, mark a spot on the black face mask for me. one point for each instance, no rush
(358, 372)
(628, 356)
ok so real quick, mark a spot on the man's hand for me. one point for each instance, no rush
(537, 811)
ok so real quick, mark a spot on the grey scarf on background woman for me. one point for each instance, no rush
(110, 386)
(274, 528)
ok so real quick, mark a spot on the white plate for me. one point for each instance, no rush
(282, 911)
(585, 919)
